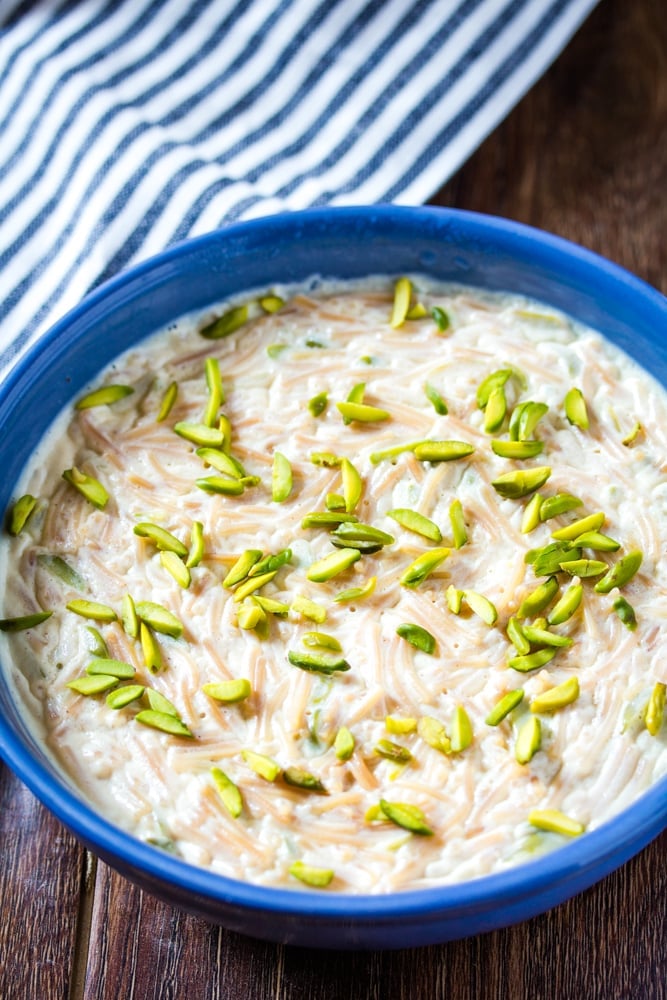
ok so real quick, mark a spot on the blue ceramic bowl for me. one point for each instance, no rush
(339, 243)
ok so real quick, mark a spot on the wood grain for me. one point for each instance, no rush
(583, 155)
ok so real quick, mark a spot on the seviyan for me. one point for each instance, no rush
(362, 588)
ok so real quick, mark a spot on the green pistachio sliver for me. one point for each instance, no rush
(481, 606)
(354, 531)
(159, 618)
(326, 519)
(99, 646)
(221, 485)
(528, 740)
(150, 649)
(167, 402)
(457, 521)
(356, 394)
(196, 553)
(262, 765)
(632, 435)
(20, 513)
(103, 396)
(584, 567)
(626, 613)
(529, 417)
(252, 584)
(442, 320)
(56, 566)
(550, 559)
(92, 685)
(575, 408)
(124, 696)
(318, 878)
(531, 514)
(434, 733)
(128, 616)
(357, 593)
(239, 571)
(308, 609)
(320, 663)
(159, 703)
(417, 637)
(655, 710)
(92, 609)
(461, 734)
(556, 697)
(296, 777)
(412, 520)
(229, 792)
(362, 413)
(228, 323)
(560, 503)
(391, 453)
(344, 744)
(555, 821)
(215, 389)
(221, 462)
(200, 434)
(454, 598)
(271, 562)
(335, 501)
(442, 451)
(320, 640)
(326, 459)
(423, 566)
(504, 706)
(111, 668)
(597, 541)
(436, 400)
(407, 816)
(495, 410)
(163, 722)
(281, 478)
(250, 616)
(592, 522)
(271, 303)
(401, 305)
(271, 607)
(393, 751)
(532, 661)
(563, 610)
(163, 539)
(521, 482)
(493, 381)
(516, 449)
(362, 547)
(23, 622)
(417, 311)
(275, 350)
(516, 636)
(400, 726)
(543, 637)
(620, 573)
(352, 485)
(89, 487)
(317, 404)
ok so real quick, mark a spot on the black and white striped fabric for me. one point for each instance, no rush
(128, 126)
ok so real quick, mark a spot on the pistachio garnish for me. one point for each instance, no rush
(159, 618)
(281, 478)
(495, 380)
(531, 513)
(454, 599)
(391, 453)
(317, 404)
(92, 609)
(620, 573)
(563, 610)
(221, 462)
(434, 733)
(393, 751)
(320, 663)
(56, 566)
(262, 765)
(549, 559)
(423, 566)
(597, 541)
(543, 637)
(575, 409)
(412, 520)
(525, 418)
(521, 482)
(326, 519)
(632, 435)
(436, 400)
(560, 503)
(319, 878)
(104, 396)
(353, 532)
(124, 696)
(221, 485)
(655, 710)
(150, 649)
(200, 434)
(482, 606)
(461, 730)
(442, 451)
(495, 410)
(230, 691)
(309, 609)
(516, 636)
(252, 584)
(20, 513)
(167, 402)
(110, 667)
(128, 616)
(516, 449)
(528, 740)
(626, 613)
(228, 792)
(352, 485)
(592, 522)
(216, 392)
(402, 299)
(196, 553)
(504, 706)
(321, 640)
(417, 637)
(584, 567)
(344, 744)
(160, 537)
(556, 697)
(92, 684)
(407, 816)
(555, 822)
(271, 303)
(457, 521)
(23, 622)
(334, 501)
(163, 722)
(325, 458)
(239, 571)
(362, 413)
(296, 777)
(99, 646)
(532, 661)
(357, 593)
(228, 323)
(400, 726)
(271, 607)
(89, 487)
(159, 703)
(442, 320)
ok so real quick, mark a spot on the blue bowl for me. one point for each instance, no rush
(339, 243)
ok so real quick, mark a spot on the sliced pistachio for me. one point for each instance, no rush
(92, 609)
(393, 751)
(320, 663)
(543, 637)
(417, 311)
(626, 613)
(317, 404)
(414, 521)
(423, 566)
(159, 703)
(417, 637)
(391, 453)
(442, 320)
(92, 685)
(516, 636)
(521, 482)
(436, 400)
(549, 559)
(326, 519)
(225, 428)
(99, 646)
(325, 458)
(334, 501)
(221, 485)
(275, 350)
(592, 522)
(103, 396)
(528, 740)
(24, 622)
(89, 487)
(251, 616)
(560, 503)
(252, 584)
(493, 381)
(196, 553)
(56, 566)
(167, 402)
(320, 640)
(296, 777)
(150, 649)
(362, 413)
(271, 607)
(461, 734)
(239, 571)
(402, 299)
(309, 609)
(555, 822)
(495, 410)
(400, 726)
(454, 599)
(481, 606)
(563, 610)
(575, 408)
(124, 696)
(620, 573)
(262, 765)
(532, 661)
(434, 733)
(281, 478)
(228, 323)
(271, 563)
(228, 792)
(632, 435)
(597, 541)
(161, 538)
(528, 416)
(407, 816)
(356, 394)
(504, 706)
(584, 567)
(352, 485)
(128, 616)
(357, 593)
(20, 513)
(556, 697)
(516, 449)
(222, 462)
(655, 710)
(344, 744)
(163, 722)
(215, 390)
(457, 521)
(159, 618)
(111, 668)
(353, 531)
(531, 514)
(318, 878)
(442, 451)
(200, 434)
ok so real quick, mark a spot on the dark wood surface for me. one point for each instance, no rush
(583, 155)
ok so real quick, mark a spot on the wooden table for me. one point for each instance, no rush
(583, 156)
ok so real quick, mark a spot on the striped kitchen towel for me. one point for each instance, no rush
(128, 126)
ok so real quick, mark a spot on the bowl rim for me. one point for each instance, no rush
(598, 851)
